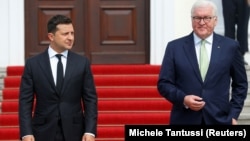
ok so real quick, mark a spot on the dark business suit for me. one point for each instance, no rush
(180, 76)
(37, 81)
(236, 13)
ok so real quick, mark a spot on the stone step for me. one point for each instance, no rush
(245, 110)
(2, 75)
(244, 118)
(2, 72)
(1, 95)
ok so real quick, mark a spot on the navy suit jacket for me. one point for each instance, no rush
(180, 76)
(78, 95)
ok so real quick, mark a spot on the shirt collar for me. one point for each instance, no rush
(52, 52)
(197, 40)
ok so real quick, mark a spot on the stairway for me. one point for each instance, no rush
(127, 94)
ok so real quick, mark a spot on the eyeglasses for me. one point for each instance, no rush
(205, 19)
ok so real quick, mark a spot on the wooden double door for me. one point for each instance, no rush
(106, 31)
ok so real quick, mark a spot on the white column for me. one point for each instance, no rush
(12, 32)
(168, 20)
(16, 23)
(161, 28)
(220, 25)
(4, 24)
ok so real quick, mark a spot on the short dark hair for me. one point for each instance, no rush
(55, 20)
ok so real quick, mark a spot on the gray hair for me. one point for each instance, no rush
(204, 3)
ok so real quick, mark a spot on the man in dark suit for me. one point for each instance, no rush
(236, 19)
(196, 99)
(66, 114)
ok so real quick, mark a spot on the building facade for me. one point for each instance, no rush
(168, 20)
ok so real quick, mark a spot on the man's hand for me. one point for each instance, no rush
(88, 137)
(234, 121)
(194, 102)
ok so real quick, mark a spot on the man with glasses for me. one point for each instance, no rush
(203, 74)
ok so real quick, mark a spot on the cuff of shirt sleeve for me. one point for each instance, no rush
(90, 134)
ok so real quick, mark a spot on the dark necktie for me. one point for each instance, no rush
(59, 80)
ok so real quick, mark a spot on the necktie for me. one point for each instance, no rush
(203, 60)
(59, 78)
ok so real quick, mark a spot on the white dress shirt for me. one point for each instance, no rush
(208, 45)
(54, 60)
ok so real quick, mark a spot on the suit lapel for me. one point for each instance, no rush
(46, 69)
(215, 55)
(189, 48)
(69, 69)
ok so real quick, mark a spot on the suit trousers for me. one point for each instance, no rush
(236, 19)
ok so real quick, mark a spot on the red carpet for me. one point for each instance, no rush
(127, 94)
